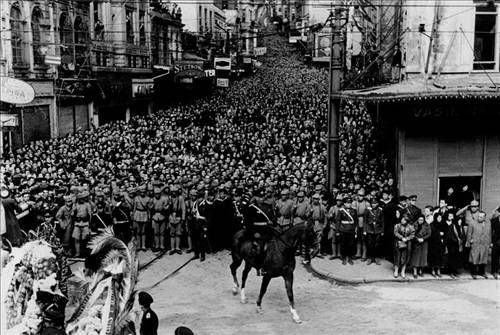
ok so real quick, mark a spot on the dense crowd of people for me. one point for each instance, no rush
(185, 175)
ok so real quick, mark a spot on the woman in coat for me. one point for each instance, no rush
(435, 256)
(452, 244)
(420, 246)
(403, 235)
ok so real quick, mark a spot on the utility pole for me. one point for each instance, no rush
(335, 76)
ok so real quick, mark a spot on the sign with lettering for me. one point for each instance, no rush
(260, 51)
(222, 63)
(222, 82)
(15, 91)
(142, 87)
(9, 120)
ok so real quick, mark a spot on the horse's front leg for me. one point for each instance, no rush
(263, 288)
(246, 270)
(289, 291)
(234, 266)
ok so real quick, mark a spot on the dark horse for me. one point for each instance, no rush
(279, 261)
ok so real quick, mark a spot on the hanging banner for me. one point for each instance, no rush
(15, 91)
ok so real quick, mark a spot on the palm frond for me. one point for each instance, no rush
(100, 240)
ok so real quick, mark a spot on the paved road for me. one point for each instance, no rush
(199, 296)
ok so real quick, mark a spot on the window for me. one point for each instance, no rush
(98, 25)
(200, 19)
(17, 37)
(206, 20)
(130, 25)
(166, 46)
(36, 17)
(485, 53)
(142, 28)
(81, 41)
(211, 24)
(155, 43)
(66, 39)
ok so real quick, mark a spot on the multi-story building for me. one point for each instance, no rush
(88, 62)
(206, 21)
(440, 122)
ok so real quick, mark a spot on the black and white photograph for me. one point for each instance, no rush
(249, 167)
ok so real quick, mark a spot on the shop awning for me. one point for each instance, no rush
(474, 86)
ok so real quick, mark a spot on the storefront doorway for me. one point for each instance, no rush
(459, 197)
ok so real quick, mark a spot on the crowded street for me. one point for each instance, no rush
(283, 197)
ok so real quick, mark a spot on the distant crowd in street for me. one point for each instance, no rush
(181, 178)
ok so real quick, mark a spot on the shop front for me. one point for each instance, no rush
(123, 96)
(33, 121)
(439, 142)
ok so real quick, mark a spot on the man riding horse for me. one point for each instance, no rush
(259, 230)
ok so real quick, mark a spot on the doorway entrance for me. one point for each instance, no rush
(453, 190)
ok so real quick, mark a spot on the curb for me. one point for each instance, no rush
(357, 281)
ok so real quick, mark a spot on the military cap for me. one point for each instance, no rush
(157, 190)
(403, 198)
(285, 192)
(412, 197)
(145, 299)
(348, 199)
(474, 203)
(316, 196)
(193, 192)
(301, 194)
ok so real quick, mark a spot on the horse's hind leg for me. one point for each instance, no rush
(263, 288)
(289, 291)
(234, 266)
(244, 277)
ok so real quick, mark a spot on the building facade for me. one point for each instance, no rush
(89, 62)
(439, 122)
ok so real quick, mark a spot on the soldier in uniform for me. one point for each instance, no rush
(140, 216)
(334, 233)
(64, 217)
(82, 212)
(176, 219)
(346, 225)
(238, 219)
(259, 229)
(360, 205)
(149, 322)
(284, 211)
(190, 218)
(159, 211)
(318, 218)
(301, 209)
(373, 230)
(121, 218)
(413, 211)
(199, 227)
(100, 199)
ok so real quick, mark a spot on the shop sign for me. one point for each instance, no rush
(186, 67)
(222, 63)
(142, 87)
(260, 51)
(210, 73)
(9, 120)
(223, 82)
(15, 91)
